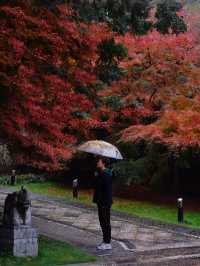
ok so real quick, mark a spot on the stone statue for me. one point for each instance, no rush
(16, 233)
(17, 209)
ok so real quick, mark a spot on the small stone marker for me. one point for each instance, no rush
(75, 188)
(13, 178)
(180, 210)
(17, 234)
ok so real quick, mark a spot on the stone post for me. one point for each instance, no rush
(16, 233)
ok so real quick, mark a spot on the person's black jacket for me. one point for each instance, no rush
(103, 188)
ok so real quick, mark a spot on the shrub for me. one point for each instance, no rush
(22, 179)
(129, 172)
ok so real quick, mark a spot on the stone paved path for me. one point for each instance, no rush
(134, 242)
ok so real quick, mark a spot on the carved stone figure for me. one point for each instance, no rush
(17, 209)
(17, 234)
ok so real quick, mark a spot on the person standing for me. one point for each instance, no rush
(103, 199)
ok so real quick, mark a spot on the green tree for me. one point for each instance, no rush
(167, 17)
(121, 15)
(139, 15)
(110, 53)
(119, 18)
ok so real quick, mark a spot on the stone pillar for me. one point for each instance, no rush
(17, 234)
(20, 241)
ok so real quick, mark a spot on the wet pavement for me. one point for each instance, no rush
(134, 243)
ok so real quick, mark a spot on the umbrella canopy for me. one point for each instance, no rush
(100, 147)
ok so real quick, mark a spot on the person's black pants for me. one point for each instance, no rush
(104, 220)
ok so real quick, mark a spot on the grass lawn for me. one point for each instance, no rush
(162, 212)
(51, 253)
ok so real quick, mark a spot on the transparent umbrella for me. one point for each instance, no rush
(100, 147)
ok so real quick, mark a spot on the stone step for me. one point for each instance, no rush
(169, 251)
(178, 260)
(162, 257)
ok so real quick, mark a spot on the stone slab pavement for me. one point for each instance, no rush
(134, 242)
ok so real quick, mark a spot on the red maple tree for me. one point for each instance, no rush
(163, 78)
(46, 59)
(49, 88)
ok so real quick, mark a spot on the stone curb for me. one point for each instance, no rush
(94, 264)
(172, 260)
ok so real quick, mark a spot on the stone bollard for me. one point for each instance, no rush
(75, 188)
(180, 210)
(13, 178)
(17, 235)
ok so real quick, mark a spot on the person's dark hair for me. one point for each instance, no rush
(106, 162)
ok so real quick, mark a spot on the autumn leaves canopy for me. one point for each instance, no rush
(60, 84)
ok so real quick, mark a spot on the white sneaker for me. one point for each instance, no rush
(100, 244)
(104, 246)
